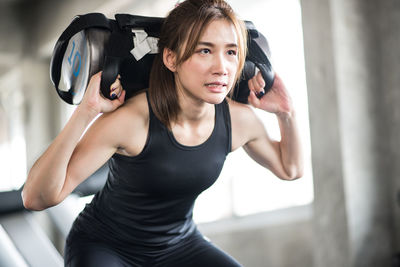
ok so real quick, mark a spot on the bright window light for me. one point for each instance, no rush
(12, 136)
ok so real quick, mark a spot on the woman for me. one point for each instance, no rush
(166, 146)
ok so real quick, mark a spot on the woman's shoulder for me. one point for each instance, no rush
(240, 112)
(245, 123)
(137, 104)
(135, 107)
(133, 113)
(128, 124)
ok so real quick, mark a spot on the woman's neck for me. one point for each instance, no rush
(193, 111)
(195, 121)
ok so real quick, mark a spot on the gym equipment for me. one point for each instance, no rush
(126, 45)
(30, 240)
(22, 241)
(9, 255)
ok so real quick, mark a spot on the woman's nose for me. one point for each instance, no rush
(220, 65)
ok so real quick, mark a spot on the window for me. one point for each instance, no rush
(12, 136)
(244, 187)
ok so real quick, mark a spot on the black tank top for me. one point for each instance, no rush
(148, 199)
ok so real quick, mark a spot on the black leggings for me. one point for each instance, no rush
(198, 252)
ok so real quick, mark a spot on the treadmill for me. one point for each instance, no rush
(23, 239)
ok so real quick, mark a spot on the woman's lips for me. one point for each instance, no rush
(216, 87)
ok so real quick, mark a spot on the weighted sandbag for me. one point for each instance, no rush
(127, 45)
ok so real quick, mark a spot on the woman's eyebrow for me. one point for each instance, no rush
(210, 44)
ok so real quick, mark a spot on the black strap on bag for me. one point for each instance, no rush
(258, 56)
(152, 25)
(116, 51)
(119, 60)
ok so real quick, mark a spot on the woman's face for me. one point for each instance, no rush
(209, 74)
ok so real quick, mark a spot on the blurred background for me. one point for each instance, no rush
(340, 60)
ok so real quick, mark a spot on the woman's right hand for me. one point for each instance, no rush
(95, 102)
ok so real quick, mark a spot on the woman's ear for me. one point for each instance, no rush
(169, 59)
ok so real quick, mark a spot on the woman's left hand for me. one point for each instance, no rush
(277, 100)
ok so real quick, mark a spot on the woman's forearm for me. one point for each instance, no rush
(290, 145)
(47, 176)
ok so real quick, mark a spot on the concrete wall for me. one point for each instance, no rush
(330, 223)
(389, 85)
(352, 64)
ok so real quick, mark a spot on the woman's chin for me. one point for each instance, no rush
(216, 98)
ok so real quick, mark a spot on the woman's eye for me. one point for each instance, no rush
(232, 52)
(205, 51)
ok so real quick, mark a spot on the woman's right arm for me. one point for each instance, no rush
(69, 160)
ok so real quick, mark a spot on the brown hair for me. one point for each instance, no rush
(183, 26)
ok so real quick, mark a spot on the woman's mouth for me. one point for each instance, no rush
(216, 87)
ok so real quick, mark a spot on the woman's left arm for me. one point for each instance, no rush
(285, 157)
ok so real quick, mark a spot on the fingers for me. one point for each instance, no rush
(119, 101)
(257, 84)
(253, 99)
(117, 93)
(260, 80)
(116, 88)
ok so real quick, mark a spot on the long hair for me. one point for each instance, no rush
(183, 27)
